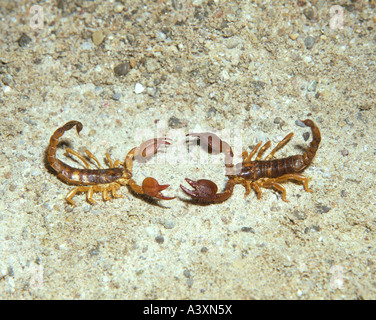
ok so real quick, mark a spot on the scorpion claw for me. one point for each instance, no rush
(150, 147)
(212, 142)
(204, 190)
(152, 188)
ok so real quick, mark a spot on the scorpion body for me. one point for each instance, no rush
(104, 180)
(255, 174)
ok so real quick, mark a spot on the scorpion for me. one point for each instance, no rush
(104, 180)
(254, 174)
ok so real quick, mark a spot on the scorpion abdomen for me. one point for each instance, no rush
(255, 170)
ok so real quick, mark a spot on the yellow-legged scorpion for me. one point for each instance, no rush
(254, 174)
(104, 180)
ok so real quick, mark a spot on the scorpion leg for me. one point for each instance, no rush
(114, 188)
(109, 160)
(268, 183)
(90, 193)
(284, 141)
(255, 185)
(263, 148)
(72, 193)
(248, 158)
(271, 183)
(248, 187)
(93, 157)
(297, 177)
(75, 153)
(112, 164)
(275, 183)
(105, 195)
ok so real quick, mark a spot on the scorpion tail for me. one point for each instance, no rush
(314, 145)
(51, 151)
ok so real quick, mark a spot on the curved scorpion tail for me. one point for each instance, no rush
(314, 145)
(54, 140)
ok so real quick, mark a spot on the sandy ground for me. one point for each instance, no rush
(249, 67)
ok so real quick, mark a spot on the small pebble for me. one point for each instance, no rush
(138, 88)
(86, 45)
(139, 272)
(122, 69)
(312, 86)
(168, 224)
(10, 271)
(174, 122)
(308, 12)
(152, 91)
(60, 4)
(299, 216)
(345, 152)
(118, 8)
(306, 136)
(151, 231)
(132, 62)
(7, 80)
(24, 40)
(93, 252)
(300, 124)
(187, 273)
(322, 208)
(278, 120)
(161, 36)
(159, 239)
(98, 37)
(312, 228)
(204, 250)
(116, 96)
(294, 36)
(211, 112)
(247, 229)
(309, 42)
(190, 282)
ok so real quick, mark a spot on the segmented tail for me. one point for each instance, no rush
(51, 151)
(314, 145)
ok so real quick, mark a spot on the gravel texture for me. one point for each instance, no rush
(132, 70)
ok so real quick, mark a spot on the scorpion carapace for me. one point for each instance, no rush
(104, 180)
(256, 174)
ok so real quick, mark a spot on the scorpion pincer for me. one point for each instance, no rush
(104, 180)
(255, 174)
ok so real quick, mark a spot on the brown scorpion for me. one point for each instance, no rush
(254, 174)
(104, 180)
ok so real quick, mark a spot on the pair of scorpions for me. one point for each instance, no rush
(253, 174)
(104, 180)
